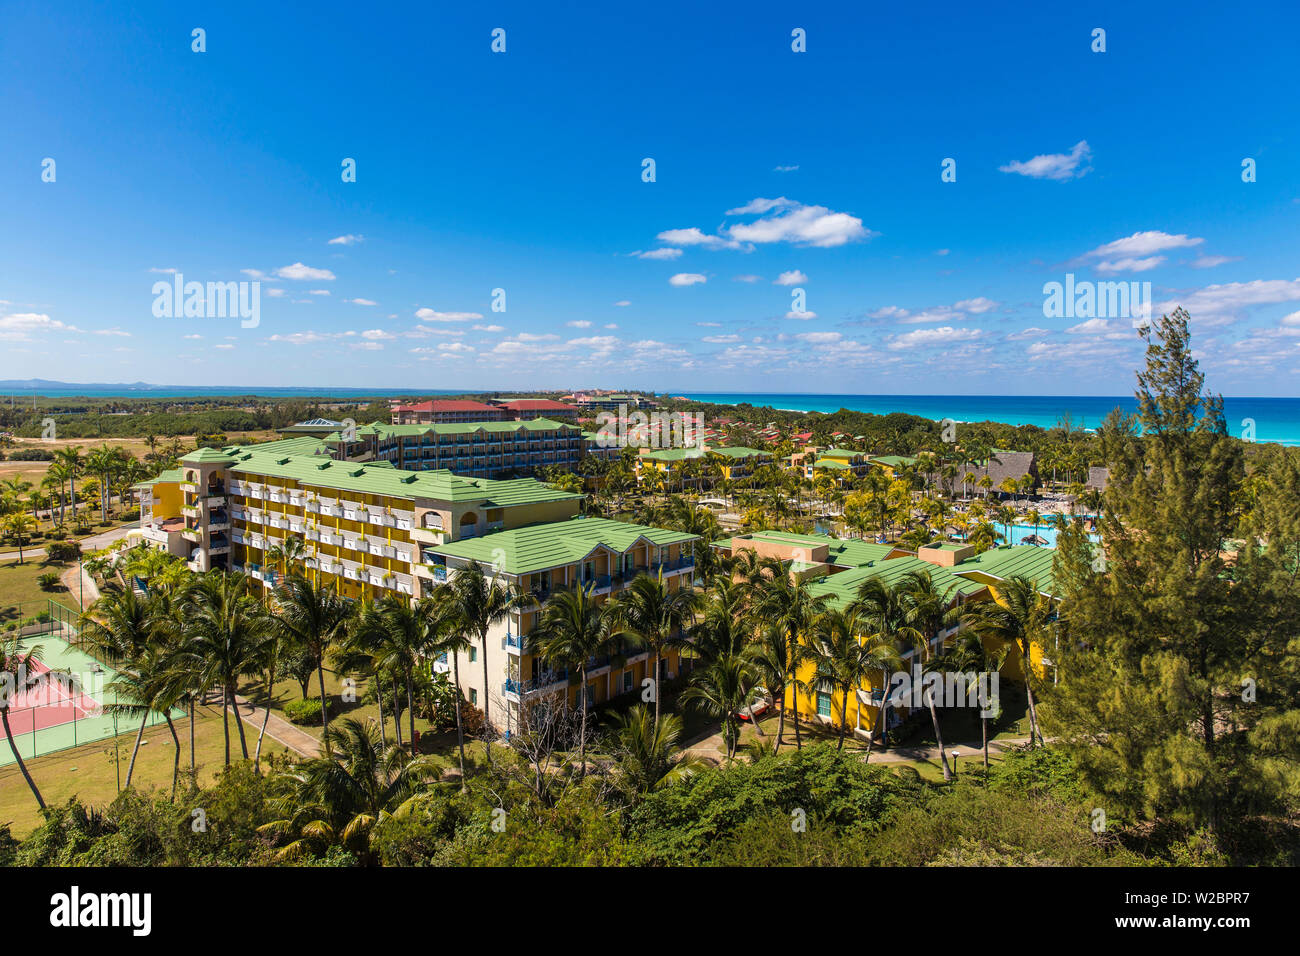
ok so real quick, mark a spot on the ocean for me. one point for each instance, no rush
(1272, 419)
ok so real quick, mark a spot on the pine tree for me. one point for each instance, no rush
(1177, 687)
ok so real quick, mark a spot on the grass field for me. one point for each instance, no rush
(20, 595)
(91, 771)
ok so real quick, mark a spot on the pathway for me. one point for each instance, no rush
(94, 542)
(278, 729)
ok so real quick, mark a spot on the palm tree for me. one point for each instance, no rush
(651, 615)
(574, 629)
(227, 630)
(883, 610)
(340, 798)
(721, 690)
(481, 602)
(286, 553)
(312, 617)
(648, 753)
(56, 476)
(842, 660)
(19, 527)
(74, 464)
(968, 653)
(448, 638)
(1021, 615)
(769, 654)
(929, 612)
(150, 684)
(19, 676)
(789, 605)
(398, 635)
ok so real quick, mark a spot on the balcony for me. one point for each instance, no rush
(512, 642)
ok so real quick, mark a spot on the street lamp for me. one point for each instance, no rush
(955, 755)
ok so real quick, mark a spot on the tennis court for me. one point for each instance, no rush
(66, 708)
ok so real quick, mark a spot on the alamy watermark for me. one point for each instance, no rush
(622, 429)
(1098, 300)
(215, 300)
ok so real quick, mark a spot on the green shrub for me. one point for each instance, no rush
(304, 712)
(64, 550)
(49, 581)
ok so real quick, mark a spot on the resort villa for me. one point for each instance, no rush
(371, 529)
(522, 409)
(732, 462)
(445, 411)
(837, 569)
(474, 449)
(840, 463)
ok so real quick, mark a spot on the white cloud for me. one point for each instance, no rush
(489, 328)
(1057, 166)
(1092, 327)
(779, 220)
(431, 315)
(622, 303)
(578, 324)
(667, 252)
(784, 169)
(319, 292)
(793, 277)
(377, 334)
(720, 339)
(819, 338)
(361, 301)
(1143, 244)
(687, 278)
(347, 240)
(940, 336)
(300, 271)
(170, 272)
(747, 278)
(801, 316)
(536, 337)
(695, 237)
(976, 306)
(1209, 262)
(1221, 303)
(275, 293)
(20, 325)
(223, 346)
(1130, 265)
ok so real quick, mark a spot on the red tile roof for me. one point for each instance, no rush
(446, 405)
(536, 404)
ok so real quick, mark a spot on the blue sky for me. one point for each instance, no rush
(522, 171)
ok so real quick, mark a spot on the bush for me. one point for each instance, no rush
(64, 550)
(304, 712)
(49, 581)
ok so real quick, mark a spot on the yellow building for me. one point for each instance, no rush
(839, 568)
(370, 529)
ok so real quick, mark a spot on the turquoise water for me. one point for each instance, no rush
(1274, 419)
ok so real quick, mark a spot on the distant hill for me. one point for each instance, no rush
(37, 384)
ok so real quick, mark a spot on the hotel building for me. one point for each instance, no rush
(471, 449)
(370, 529)
(444, 411)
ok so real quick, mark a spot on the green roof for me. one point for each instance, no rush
(554, 544)
(381, 478)
(893, 461)
(303, 445)
(207, 456)
(382, 431)
(738, 451)
(174, 475)
(1003, 562)
(843, 587)
(672, 454)
(845, 552)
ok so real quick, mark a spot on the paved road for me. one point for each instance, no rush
(93, 543)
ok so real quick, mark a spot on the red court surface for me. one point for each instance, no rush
(51, 702)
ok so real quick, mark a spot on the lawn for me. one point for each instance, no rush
(20, 595)
(285, 691)
(89, 772)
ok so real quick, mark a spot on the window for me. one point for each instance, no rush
(627, 681)
(823, 705)
(473, 696)
(473, 654)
